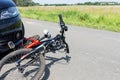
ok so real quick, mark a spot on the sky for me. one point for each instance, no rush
(71, 1)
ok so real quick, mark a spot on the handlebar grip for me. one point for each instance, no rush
(68, 50)
(60, 17)
(61, 20)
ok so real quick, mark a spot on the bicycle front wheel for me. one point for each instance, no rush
(32, 68)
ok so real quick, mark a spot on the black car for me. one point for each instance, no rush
(11, 26)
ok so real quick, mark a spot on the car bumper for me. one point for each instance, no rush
(8, 32)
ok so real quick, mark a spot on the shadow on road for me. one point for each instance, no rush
(52, 61)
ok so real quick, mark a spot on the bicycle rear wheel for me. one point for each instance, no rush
(33, 68)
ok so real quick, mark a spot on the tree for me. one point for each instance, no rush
(24, 3)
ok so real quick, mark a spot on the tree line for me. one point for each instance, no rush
(25, 3)
(86, 3)
(99, 3)
(31, 3)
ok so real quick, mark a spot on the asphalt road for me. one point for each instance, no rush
(95, 54)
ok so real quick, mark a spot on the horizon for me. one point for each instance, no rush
(71, 1)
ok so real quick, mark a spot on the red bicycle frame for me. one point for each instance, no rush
(33, 44)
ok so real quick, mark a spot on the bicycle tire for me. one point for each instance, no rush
(13, 57)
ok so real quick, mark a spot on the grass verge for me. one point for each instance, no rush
(98, 17)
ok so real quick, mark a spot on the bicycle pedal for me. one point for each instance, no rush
(11, 45)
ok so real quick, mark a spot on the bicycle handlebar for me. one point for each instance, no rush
(57, 37)
(62, 24)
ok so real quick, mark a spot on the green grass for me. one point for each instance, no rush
(98, 17)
